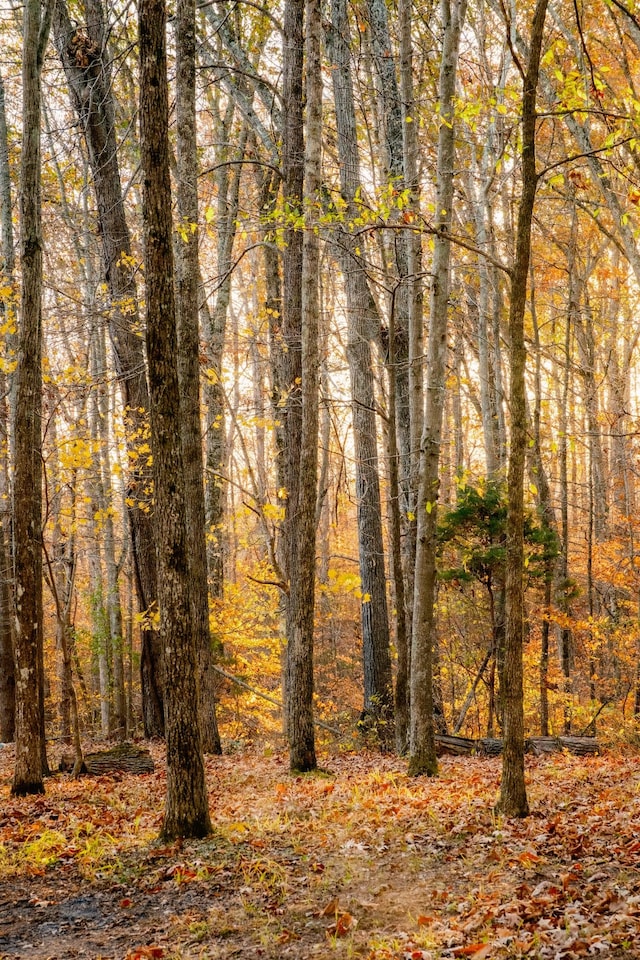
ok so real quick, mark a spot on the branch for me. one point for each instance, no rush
(277, 703)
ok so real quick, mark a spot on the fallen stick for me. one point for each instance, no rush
(277, 703)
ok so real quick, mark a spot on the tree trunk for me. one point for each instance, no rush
(31, 760)
(422, 747)
(92, 96)
(189, 363)
(7, 308)
(302, 755)
(513, 795)
(363, 325)
(186, 810)
(292, 186)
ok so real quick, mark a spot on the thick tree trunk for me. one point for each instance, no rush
(7, 307)
(513, 795)
(92, 96)
(189, 363)
(186, 810)
(31, 760)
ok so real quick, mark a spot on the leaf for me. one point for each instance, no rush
(527, 858)
(140, 953)
(476, 950)
(344, 923)
(330, 909)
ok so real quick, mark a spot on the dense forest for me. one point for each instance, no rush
(319, 376)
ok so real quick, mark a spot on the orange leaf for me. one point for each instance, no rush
(341, 927)
(142, 953)
(475, 950)
(330, 909)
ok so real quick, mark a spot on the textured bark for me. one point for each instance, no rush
(31, 761)
(513, 795)
(403, 647)
(7, 307)
(92, 96)
(598, 479)
(187, 293)
(401, 154)
(228, 184)
(302, 754)
(422, 758)
(292, 186)
(186, 810)
(548, 521)
(363, 325)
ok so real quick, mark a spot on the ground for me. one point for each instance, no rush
(359, 861)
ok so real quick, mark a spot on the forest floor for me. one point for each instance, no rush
(356, 862)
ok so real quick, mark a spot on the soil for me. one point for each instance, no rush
(358, 861)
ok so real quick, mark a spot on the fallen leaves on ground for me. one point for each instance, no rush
(360, 862)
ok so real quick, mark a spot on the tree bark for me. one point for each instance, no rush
(31, 759)
(302, 755)
(513, 795)
(92, 97)
(189, 363)
(363, 325)
(186, 810)
(292, 186)
(422, 758)
(7, 309)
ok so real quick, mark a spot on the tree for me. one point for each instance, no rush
(7, 309)
(188, 290)
(422, 757)
(187, 811)
(513, 795)
(84, 56)
(363, 327)
(301, 600)
(31, 758)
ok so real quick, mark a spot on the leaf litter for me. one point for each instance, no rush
(361, 861)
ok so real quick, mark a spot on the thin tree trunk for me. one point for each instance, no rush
(92, 97)
(422, 750)
(513, 795)
(292, 186)
(302, 756)
(189, 363)
(363, 325)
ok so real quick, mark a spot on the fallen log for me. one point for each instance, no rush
(454, 746)
(542, 745)
(123, 758)
(492, 746)
(580, 746)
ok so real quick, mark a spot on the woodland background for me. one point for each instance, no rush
(408, 103)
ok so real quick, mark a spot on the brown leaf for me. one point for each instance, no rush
(330, 909)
